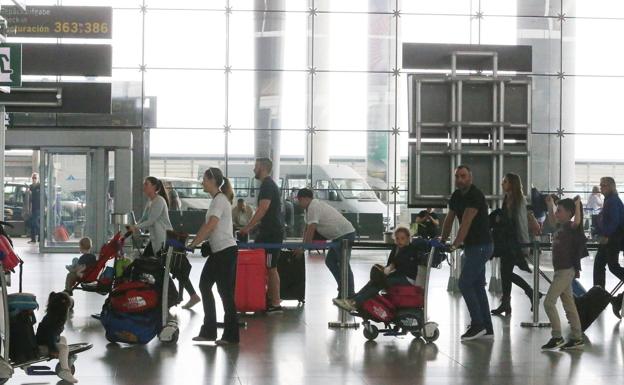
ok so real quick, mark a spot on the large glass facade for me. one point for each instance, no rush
(328, 76)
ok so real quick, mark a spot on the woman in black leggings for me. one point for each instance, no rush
(220, 268)
(510, 229)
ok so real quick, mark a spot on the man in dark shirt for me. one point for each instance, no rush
(268, 218)
(469, 206)
(427, 224)
(35, 207)
(609, 229)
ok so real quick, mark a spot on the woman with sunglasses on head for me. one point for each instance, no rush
(220, 267)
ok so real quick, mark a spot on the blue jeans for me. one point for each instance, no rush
(370, 289)
(472, 284)
(333, 261)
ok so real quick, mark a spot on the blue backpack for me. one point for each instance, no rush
(130, 328)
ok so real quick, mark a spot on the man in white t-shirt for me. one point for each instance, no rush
(329, 223)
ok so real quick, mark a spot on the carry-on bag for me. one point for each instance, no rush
(292, 272)
(378, 308)
(590, 305)
(251, 281)
(405, 296)
(130, 328)
(133, 297)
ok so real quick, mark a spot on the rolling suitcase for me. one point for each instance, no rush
(251, 281)
(590, 305)
(291, 269)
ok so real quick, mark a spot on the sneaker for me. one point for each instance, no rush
(554, 343)
(201, 338)
(616, 306)
(573, 345)
(194, 300)
(66, 375)
(274, 309)
(473, 333)
(345, 304)
(223, 342)
(489, 334)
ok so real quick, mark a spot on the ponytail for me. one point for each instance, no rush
(160, 188)
(221, 181)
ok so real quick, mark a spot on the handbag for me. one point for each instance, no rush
(206, 250)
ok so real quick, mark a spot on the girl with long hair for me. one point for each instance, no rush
(513, 219)
(220, 267)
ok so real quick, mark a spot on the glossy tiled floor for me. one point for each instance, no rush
(298, 348)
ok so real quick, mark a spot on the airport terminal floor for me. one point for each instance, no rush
(297, 347)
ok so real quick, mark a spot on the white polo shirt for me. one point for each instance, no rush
(329, 222)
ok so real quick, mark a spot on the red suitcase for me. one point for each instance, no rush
(251, 281)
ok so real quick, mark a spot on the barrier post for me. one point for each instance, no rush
(496, 285)
(344, 287)
(536, 298)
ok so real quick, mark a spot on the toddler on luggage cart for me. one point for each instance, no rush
(567, 249)
(78, 267)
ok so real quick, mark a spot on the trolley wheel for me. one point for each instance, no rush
(174, 338)
(72, 369)
(370, 332)
(435, 336)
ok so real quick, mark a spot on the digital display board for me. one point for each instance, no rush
(59, 21)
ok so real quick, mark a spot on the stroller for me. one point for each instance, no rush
(402, 309)
(99, 278)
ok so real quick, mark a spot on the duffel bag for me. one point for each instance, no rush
(133, 297)
(378, 308)
(19, 302)
(147, 269)
(130, 328)
(405, 296)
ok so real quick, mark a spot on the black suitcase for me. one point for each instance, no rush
(590, 305)
(291, 269)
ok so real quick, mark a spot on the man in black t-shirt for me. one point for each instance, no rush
(427, 224)
(469, 206)
(268, 218)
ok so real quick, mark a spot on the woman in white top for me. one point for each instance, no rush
(220, 267)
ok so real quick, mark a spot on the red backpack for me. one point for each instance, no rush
(10, 260)
(133, 297)
(405, 296)
(379, 309)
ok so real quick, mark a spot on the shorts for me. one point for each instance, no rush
(272, 255)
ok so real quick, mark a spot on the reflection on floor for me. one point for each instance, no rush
(298, 348)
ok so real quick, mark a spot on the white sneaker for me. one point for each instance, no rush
(66, 375)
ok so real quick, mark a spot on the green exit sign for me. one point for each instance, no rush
(11, 65)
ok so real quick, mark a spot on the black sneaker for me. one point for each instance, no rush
(573, 345)
(554, 343)
(473, 333)
(489, 334)
(274, 309)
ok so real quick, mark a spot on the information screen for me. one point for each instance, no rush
(59, 21)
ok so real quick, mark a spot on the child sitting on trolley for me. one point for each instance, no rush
(401, 269)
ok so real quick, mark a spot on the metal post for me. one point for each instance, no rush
(536, 299)
(2, 163)
(453, 282)
(5, 316)
(496, 285)
(344, 287)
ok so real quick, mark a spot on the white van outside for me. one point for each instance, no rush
(340, 186)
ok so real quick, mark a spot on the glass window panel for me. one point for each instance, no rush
(609, 148)
(294, 144)
(544, 36)
(499, 30)
(187, 99)
(167, 47)
(355, 6)
(353, 101)
(243, 42)
(590, 50)
(241, 101)
(520, 7)
(187, 141)
(294, 100)
(127, 38)
(594, 8)
(451, 7)
(354, 42)
(286, 5)
(437, 29)
(241, 143)
(545, 99)
(592, 105)
(186, 4)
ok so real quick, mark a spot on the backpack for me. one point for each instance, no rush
(22, 332)
(9, 259)
(150, 270)
(133, 297)
(130, 328)
(405, 296)
(378, 308)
